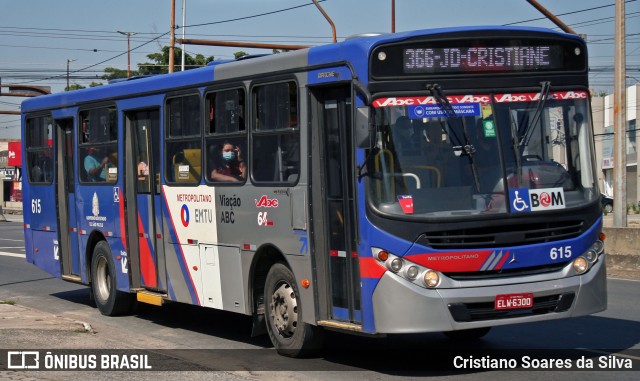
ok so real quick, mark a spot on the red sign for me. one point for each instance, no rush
(406, 203)
(15, 154)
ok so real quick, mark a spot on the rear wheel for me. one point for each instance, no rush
(108, 299)
(468, 334)
(608, 208)
(287, 331)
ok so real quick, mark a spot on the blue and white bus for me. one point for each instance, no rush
(435, 180)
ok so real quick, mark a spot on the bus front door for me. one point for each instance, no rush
(68, 250)
(335, 233)
(142, 187)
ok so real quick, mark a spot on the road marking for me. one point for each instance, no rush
(11, 247)
(9, 239)
(5, 254)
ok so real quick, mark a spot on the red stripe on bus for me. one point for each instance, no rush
(123, 225)
(504, 259)
(147, 264)
(371, 268)
(462, 261)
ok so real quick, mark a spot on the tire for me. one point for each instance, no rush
(108, 299)
(608, 208)
(283, 315)
(468, 334)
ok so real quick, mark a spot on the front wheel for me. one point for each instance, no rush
(287, 331)
(108, 299)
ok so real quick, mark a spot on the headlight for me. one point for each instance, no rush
(396, 265)
(591, 255)
(431, 278)
(581, 265)
(412, 272)
(598, 246)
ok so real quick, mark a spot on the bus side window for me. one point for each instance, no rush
(183, 141)
(276, 134)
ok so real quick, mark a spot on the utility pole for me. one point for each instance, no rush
(128, 34)
(393, 16)
(620, 121)
(172, 39)
(68, 62)
(184, 22)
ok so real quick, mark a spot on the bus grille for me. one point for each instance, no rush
(468, 312)
(497, 274)
(503, 235)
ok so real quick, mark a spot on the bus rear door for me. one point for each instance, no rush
(142, 188)
(65, 194)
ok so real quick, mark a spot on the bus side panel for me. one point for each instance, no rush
(44, 253)
(121, 262)
(41, 208)
(182, 285)
(99, 211)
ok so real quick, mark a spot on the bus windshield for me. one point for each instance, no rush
(474, 154)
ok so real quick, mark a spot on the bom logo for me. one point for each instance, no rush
(531, 200)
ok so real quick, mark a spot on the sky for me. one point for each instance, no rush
(38, 38)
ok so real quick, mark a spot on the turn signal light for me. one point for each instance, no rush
(383, 255)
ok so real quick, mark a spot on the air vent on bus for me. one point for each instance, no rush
(503, 235)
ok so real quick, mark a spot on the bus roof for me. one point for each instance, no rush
(354, 50)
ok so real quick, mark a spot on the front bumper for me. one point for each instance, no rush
(403, 307)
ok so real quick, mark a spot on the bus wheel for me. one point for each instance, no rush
(109, 300)
(468, 334)
(288, 333)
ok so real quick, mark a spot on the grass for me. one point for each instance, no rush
(9, 302)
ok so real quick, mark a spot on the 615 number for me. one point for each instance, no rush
(562, 252)
(36, 206)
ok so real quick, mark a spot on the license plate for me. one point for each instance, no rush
(513, 301)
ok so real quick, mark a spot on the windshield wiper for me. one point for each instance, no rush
(464, 146)
(542, 99)
(519, 141)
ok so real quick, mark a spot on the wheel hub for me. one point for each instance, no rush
(284, 310)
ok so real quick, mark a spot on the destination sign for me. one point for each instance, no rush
(478, 59)
(488, 55)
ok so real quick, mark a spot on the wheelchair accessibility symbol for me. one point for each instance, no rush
(519, 200)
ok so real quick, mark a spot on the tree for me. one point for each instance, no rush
(160, 62)
(239, 54)
(75, 86)
(113, 73)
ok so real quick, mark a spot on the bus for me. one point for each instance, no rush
(427, 181)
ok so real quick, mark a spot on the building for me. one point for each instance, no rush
(602, 111)
(10, 185)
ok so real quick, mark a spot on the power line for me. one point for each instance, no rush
(568, 13)
(253, 16)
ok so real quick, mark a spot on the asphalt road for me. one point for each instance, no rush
(208, 339)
